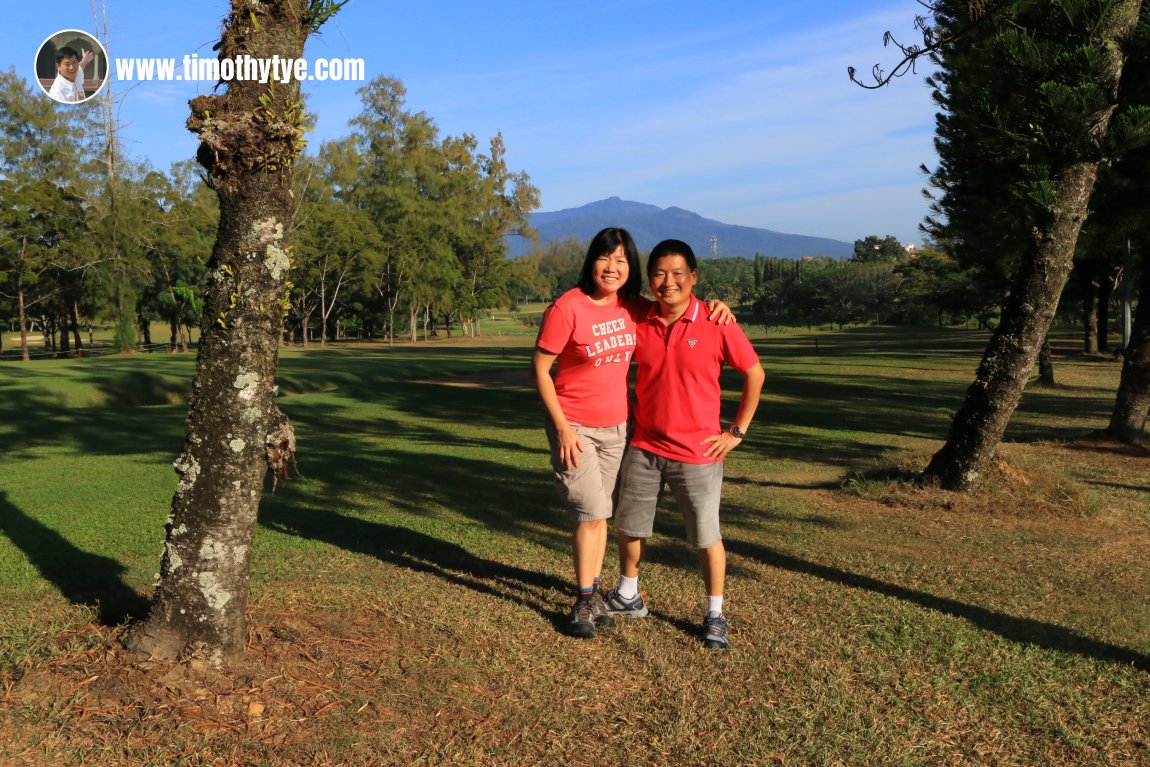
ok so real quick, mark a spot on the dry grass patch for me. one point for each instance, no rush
(1023, 481)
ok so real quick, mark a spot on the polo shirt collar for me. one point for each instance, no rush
(691, 315)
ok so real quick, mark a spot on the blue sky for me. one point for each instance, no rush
(740, 110)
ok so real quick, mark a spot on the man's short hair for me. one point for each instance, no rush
(672, 248)
(67, 52)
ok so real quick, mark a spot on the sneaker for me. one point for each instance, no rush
(617, 605)
(715, 632)
(582, 620)
(599, 613)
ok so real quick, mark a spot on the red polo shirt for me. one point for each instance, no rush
(677, 380)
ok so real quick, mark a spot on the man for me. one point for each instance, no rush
(678, 438)
(68, 87)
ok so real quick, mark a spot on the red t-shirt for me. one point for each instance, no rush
(677, 380)
(594, 345)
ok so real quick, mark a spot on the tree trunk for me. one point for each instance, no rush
(75, 322)
(235, 432)
(1132, 405)
(305, 325)
(1009, 359)
(1090, 312)
(65, 342)
(1045, 364)
(48, 332)
(1005, 369)
(1102, 324)
(323, 311)
(21, 306)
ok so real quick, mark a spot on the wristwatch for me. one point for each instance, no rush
(737, 433)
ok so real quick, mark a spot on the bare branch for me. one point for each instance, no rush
(932, 41)
(911, 53)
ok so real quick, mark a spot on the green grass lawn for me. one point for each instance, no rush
(410, 586)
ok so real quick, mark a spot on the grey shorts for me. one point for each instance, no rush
(588, 490)
(697, 488)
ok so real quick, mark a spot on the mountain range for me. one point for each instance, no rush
(649, 224)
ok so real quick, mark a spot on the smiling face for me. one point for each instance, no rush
(67, 67)
(609, 273)
(672, 281)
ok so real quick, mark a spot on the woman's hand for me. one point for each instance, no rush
(720, 312)
(570, 446)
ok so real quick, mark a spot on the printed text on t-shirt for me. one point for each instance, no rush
(610, 343)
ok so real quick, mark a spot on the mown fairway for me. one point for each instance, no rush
(409, 587)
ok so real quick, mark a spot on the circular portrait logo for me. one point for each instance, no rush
(71, 66)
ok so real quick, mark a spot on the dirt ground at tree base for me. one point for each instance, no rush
(298, 669)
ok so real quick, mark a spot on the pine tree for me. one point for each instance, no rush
(1029, 90)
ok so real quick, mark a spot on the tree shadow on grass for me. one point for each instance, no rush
(423, 553)
(668, 547)
(82, 577)
(830, 484)
(135, 388)
(31, 420)
(1023, 630)
(419, 468)
(1119, 486)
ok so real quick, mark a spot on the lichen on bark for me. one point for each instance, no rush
(249, 136)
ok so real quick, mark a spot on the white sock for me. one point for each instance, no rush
(628, 587)
(715, 605)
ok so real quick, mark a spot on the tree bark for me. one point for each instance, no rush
(235, 433)
(1102, 322)
(1090, 312)
(22, 309)
(74, 308)
(1009, 359)
(1045, 364)
(1128, 421)
(65, 342)
(978, 426)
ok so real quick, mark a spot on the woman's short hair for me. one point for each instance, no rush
(605, 243)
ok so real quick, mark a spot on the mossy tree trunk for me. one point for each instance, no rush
(235, 433)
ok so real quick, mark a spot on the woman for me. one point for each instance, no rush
(590, 332)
